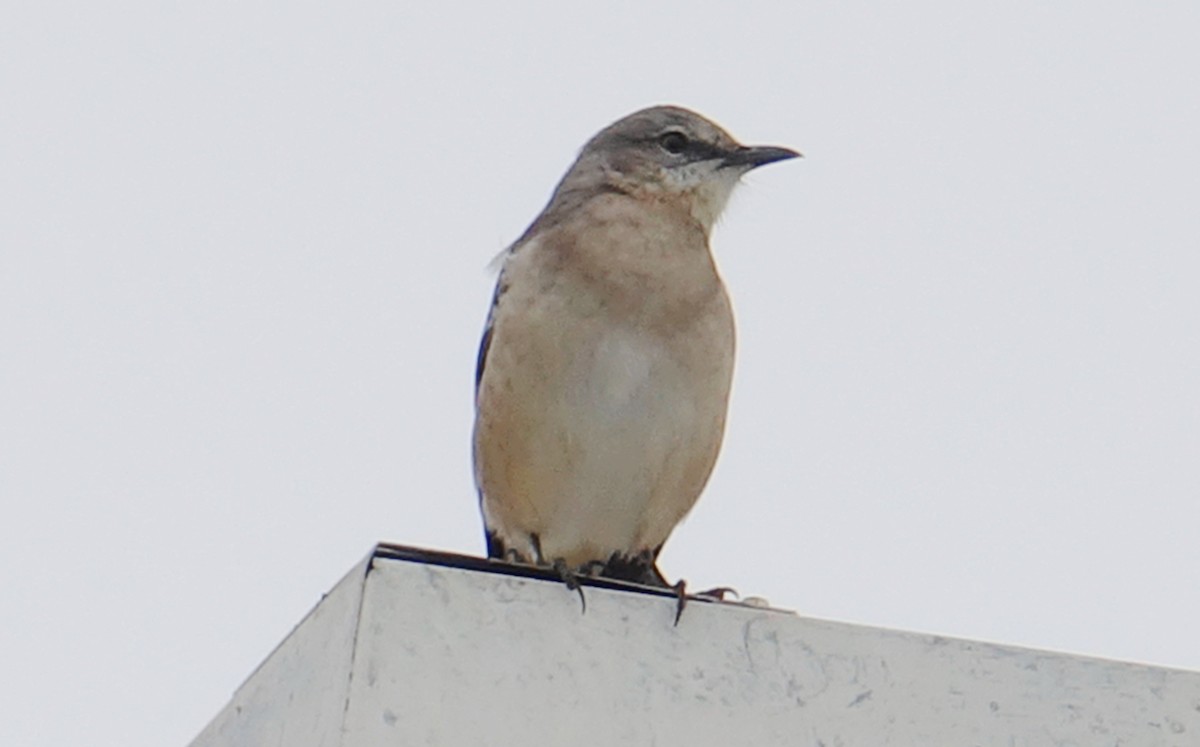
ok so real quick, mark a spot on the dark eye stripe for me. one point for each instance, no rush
(696, 150)
(701, 151)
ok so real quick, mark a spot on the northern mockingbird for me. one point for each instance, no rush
(604, 373)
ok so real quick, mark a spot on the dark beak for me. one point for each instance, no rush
(753, 156)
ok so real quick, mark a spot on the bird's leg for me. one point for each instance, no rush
(568, 576)
(644, 569)
(592, 568)
(571, 579)
(652, 576)
(638, 569)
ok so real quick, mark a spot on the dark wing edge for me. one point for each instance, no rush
(481, 361)
(486, 343)
(495, 548)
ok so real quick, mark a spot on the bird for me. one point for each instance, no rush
(603, 376)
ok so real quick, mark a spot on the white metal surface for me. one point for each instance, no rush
(445, 651)
(297, 696)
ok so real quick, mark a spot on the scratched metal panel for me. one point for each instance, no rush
(451, 651)
(448, 656)
(297, 696)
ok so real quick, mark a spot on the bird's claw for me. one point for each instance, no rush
(719, 593)
(680, 588)
(571, 579)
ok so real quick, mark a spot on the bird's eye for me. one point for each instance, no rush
(674, 142)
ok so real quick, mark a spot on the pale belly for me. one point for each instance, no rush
(604, 455)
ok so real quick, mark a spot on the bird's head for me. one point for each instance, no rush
(670, 154)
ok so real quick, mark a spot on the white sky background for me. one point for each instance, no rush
(242, 282)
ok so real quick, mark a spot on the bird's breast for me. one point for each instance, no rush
(620, 371)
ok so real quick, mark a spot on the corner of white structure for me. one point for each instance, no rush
(420, 647)
(298, 694)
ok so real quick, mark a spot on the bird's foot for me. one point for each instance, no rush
(571, 579)
(681, 596)
(592, 569)
(719, 593)
(637, 569)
